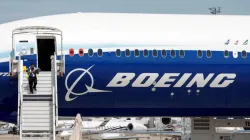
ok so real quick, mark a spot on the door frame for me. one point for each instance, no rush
(44, 37)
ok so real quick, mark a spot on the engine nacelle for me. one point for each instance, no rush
(130, 126)
(136, 126)
(165, 122)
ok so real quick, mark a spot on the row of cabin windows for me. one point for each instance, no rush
(163, 53)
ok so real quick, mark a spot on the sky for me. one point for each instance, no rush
(11, 10)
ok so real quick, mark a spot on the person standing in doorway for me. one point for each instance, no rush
(32, 77)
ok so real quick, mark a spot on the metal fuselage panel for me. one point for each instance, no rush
(147, 86)
(150, 86)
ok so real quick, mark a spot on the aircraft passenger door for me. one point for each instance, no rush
(46, 47)
(25, 47)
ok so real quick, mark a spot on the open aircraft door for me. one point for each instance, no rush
(36, 36)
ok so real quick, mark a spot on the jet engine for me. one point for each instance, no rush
(136, 126)
(165, 122)
(130, 126)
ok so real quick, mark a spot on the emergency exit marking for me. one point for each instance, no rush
(71, 52)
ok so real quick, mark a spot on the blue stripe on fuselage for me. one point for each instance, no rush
(106, 67)
(142, 101)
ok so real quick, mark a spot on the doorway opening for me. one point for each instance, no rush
(45, 48)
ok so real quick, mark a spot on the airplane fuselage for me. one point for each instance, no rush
(152, 69)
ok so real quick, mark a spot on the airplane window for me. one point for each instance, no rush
(155, 53)
(127, 52)
(145, 53)
(164, 53)
(71, 52)
(99, 52)
(226, 54)
(244, 54)
(172, 53)
(209, 54)
(80, 51)
(182, 53)
(118, 52)
(137, 52)
(199, 53)
(90, 52)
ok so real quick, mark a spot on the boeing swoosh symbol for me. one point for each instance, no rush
(89, 88)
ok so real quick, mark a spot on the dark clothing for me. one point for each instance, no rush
(32, 80)
(32, 76)
(31, 73)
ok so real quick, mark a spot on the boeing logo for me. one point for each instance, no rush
(89, 88)
(121, 80)
(147, 79)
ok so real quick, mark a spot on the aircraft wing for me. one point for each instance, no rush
(3, 132)
(170, 133)
(157, 129)
(91, 132)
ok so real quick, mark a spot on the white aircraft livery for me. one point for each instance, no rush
(114, 64)
(121, 128)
